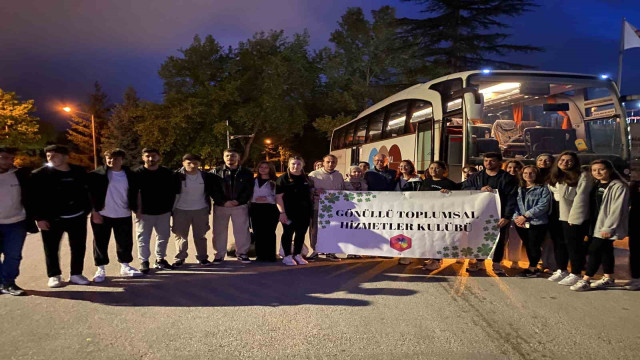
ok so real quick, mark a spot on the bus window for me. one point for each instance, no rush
(397, 119)
(338, 139)
(361, 131)
(375, 126)
(422, 110)
(348, 135)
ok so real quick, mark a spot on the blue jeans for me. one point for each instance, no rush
(11, 241)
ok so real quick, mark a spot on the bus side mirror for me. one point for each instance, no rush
(474, 105)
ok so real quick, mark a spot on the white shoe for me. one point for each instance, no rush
(55, 281)
(100, 276)
(581, 285)
(298, 259)
(570, 280)
(404, 261)
(79, 280)
(497, 268)
(558, 275)
(432, 264)
(127, 270)
(288, 260)
(633, 285)
(603, 283)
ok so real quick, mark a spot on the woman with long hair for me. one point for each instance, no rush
(514, 167)
(407, 178)
(570, 188)
(531, 216)
(609, 209)
(544, 163)
(293, 198)
(514, 246)
(264, 212)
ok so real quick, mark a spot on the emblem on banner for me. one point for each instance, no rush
(400, 242)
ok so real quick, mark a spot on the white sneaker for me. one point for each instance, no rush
(298, 259)
(558, 275)
(100, 276)
(55, 281)
(404, 261)
(497, 268)
(432, 264)
(127, 270)
(581, 285)
(633, 285)
(570, 280)
(603, 283)
(288, 260)
(79, 280)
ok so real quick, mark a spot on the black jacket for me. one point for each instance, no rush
(45, 192)
(99, 183)
(209, 183)
(228, 188)
(24, 178)
(507, 190)
(158, 189)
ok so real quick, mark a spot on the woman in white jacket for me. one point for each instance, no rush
(570, 188)
(609, 208)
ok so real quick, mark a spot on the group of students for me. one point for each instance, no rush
(553, 197)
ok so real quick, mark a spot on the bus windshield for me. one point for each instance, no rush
(525, 116)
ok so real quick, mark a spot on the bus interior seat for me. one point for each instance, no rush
(527, 124)
(481, 131)
(549, 140)
(504, 131)
(487, 145)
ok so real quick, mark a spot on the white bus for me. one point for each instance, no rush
(459, 117)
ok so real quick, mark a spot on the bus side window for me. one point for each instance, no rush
(348, 136)
(361, 131)
(375, 126)
(420, 110)
(397, 119)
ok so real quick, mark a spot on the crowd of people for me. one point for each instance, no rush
(581, 210)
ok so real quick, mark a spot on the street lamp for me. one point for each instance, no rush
(93, 133)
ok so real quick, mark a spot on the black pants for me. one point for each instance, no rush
(122, 231)
(264, 221)
(498, 254)
(532, 239)
(298, 227)
(560, 253)
(600, 252)
(76, 229)
(576, 246)
(634, 238)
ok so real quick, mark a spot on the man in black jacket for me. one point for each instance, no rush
(15, 220)
(158, 187)
(233, 188)
(114, 195)
(61, 204)
(491, 178)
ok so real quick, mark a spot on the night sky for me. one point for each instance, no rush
(53, 51)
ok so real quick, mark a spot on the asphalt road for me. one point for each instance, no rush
(355, 309)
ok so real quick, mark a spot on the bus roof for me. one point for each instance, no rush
(417, 91)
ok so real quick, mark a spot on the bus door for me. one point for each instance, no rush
(452, 141)
(424, 144)
(355, 155)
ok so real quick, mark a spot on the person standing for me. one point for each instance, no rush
(491, 178)
(380, 178)
(158, 187)
(530, 217)
(294, 201)
(61, 204)
(514, 245)
(634, 237)
(609, 209)
(233, 189)
(364, 166)
(15, 220)
(355, 180)
(326, 178)
(407, 179)
(191, 210)
(570, 188)
(114, 195)
(264, 212)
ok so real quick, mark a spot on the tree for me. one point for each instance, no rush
(121, 131)
(18, 128)
(463, 35)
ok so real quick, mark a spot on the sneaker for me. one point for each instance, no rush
(633, 285)
(204, 262)
(558, 275)
(298, 258)
(178, 263)
(288, 260)
(244, 259)
(497, 268)
(404, 261)
(526, 273)
(13, 289)
(603, 283)
(79, 280)
(100, 276)
(331, 257)
(580, 285)
(126, 270)
(55, 282)
(313, 256)
(570, 280)
(162, 264)
(432, 264)
(475, 265)
(144, 267)
(217, 261)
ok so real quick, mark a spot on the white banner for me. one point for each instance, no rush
(422, 224)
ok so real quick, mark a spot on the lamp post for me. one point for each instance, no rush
(93, 133)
